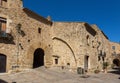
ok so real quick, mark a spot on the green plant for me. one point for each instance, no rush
(105, 65)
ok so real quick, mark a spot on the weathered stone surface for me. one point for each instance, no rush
(65, 44)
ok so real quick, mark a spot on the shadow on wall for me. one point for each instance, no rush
(2, 81)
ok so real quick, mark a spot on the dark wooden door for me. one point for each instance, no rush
(2, 63)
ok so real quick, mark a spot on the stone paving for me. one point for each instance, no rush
(42, 75)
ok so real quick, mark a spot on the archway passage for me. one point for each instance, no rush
(2, 63)
(116, 62)
(38, 59)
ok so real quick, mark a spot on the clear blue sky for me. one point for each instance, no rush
(104, 13)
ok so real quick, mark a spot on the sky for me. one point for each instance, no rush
(104, 13)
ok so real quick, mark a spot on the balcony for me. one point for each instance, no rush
(6, 38)
(3, 34)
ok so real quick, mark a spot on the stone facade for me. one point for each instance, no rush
(37, 34)
(72, 43)
(31, 41)
(115, 53)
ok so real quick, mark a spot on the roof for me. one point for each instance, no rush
(97, 28)
(90, 29)
(36, 16)
(104, 35)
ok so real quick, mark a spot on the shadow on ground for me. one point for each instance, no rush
(2, 81)
(115, 71)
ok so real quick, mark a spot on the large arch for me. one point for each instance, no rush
(3, 61)
(38, 59)
(59, 39)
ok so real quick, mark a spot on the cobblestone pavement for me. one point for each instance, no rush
(42, 75)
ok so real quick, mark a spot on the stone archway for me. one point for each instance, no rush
(116, 62)
(2, 63)
(38, 59)
(35, 46)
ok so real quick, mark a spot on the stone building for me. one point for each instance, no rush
(24, 34)
(115, 53)
(28, 40)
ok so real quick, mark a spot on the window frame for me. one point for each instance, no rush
(113, 47)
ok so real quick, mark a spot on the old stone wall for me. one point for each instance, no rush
(72, 43)
(103, 48)
(64, 44)
(115, 54)
(37, 35)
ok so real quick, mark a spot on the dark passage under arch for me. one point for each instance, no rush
(116, 62)
(38, 59)
(2, 63)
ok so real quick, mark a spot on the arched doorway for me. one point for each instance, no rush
(38, 59)
(86, 62)
(116, 62)
(2, 63)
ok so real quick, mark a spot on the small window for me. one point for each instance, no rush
(39, 30)
(56, 61)
(2, 27)
(113, 47)
(88, 39)
(68, 64)
(93, 44)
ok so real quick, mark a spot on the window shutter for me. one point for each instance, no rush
(3, 27)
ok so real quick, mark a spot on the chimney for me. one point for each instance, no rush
(48, 18)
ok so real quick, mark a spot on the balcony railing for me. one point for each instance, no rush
(3, 34)
(6, 38)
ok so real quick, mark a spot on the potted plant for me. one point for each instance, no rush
(105, 65)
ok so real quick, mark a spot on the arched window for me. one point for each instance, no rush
(88, 40)
(39, 30)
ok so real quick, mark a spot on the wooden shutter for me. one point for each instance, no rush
(3, 28)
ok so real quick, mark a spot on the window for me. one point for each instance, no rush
(88, 40)
(2, 27)
(68, 64)
(39, 30)
(56, 61)
(113, 47)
